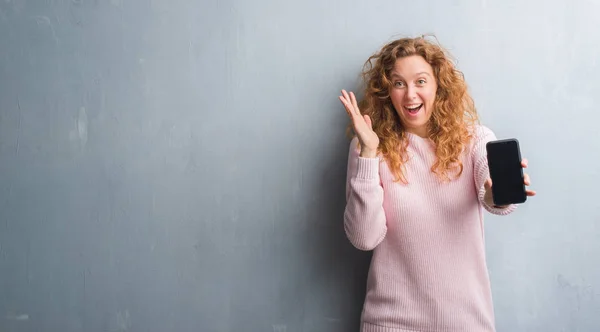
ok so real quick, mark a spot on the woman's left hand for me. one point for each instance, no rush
(526, 180)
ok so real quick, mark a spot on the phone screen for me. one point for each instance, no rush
(506, 172)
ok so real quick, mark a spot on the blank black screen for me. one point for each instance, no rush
(504, 160)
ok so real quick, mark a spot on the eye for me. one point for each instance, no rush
(398, 84)
(421, 81)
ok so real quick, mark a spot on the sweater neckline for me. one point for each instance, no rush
(415, 137)
(419, 142)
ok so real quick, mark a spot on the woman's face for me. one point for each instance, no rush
(413, 92)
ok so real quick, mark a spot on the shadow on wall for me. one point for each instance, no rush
(345, 267)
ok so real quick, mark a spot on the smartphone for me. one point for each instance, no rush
(506, 171)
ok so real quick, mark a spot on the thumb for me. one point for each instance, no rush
(488, 183)
(368, 121)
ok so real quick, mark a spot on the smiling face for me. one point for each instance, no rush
(413, 93)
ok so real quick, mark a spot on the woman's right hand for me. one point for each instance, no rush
(362, 126)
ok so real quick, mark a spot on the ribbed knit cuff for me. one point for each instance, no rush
(367, 327)
(367, 168)
(501, 211)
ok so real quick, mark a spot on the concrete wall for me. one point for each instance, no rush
(180, 165)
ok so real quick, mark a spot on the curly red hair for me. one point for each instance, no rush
(453, 115)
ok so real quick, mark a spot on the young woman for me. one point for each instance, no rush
(417, 186)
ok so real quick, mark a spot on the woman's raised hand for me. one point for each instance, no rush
(362, 126)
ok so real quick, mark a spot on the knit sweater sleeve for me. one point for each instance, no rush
(364, 217)
(479, 154)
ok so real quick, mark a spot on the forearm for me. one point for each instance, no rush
(482, 173)
(364, 217)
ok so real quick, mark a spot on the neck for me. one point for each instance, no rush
(421, 132)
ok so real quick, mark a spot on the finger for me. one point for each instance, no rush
(346, 106)
(351, 107)
(368, 121)
(354, 103)
(345, 96)
(524, 163)
(530, 192)
(488, 183)
(344, 101)
(526, 179)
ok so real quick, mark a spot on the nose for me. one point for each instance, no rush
(411, 93)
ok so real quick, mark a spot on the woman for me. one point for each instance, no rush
(417, 185)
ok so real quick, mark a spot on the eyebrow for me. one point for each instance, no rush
(418, 74)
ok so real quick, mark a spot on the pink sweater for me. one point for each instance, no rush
(428, 272)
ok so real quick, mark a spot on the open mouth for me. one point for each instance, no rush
(413, 109)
